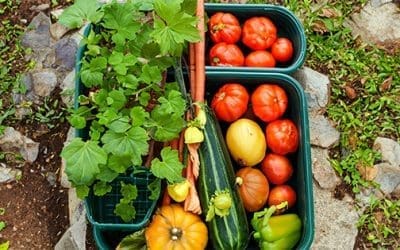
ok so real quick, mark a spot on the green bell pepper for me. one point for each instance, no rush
(276, 232)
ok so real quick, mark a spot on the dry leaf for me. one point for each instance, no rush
(350, 92)
(368, 173)
(386, 84)
(329, 13)
(319, 27)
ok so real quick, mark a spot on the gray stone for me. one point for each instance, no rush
(14, 141)
(51, 178)
(44, 82)
(76, 206)
(65, 53)
(38, 35)
(376, 24)
(9, 174)
(335, 221)
(323, 172)
(64, 178)
(322, 132)
(75, 236)
(40, 7)
(388, 177)
(389, 149)
(67, 89)
(58, 30)
(316, 87)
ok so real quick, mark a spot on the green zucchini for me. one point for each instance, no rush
(230, 232)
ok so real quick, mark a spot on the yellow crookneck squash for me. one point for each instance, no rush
(172, 228)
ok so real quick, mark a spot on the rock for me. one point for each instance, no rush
(51, 178)
(40, 7)
(316, 87)
(75, 236)
(322, 133)
(389, 149)
(14, 141)
(38, 35)
(58, 30)
(64, 178)
(335, 221)
(76, 206)
(65, 53)
(376, 24)
(8, 174)
(68, 87)
(388, 177)
(323, 172)
(44, 82)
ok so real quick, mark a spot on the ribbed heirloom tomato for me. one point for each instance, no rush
(230, 102)
(269, 102)
(259, 33)
(282, 136)
(260, 58)
(282, 50)
(224, 27)
(224, 54)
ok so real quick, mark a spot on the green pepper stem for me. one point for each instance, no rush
(268, 212)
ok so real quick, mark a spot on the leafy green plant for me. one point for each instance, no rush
(130, 107)
(380, 223)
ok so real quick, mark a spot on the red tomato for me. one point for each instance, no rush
(224, 27)
(282, 193)
(223, 54)
(230, 102)
(259, 33)
(260, 58)
(269, 102)
(282, 50)
(277, 168)
(282, 136)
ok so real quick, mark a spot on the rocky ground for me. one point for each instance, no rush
(54, 48)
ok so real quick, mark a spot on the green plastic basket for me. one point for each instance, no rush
(100, 209)
(297, 111)
(288, 26)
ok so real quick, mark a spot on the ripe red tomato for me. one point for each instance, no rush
(282, 50)
(260, 58)
(282, 136)
(230, 102)
(224, 27)
(269, 102)
(277, 168)
(223, 54)
(259, 33)
(282, 193)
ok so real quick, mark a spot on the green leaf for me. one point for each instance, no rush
(129, 192)
(119, 99)
(169, 167)
(121, 17)
(165, 126)
(82, 191)
(128, 81)
(91, 78)
(80, 12)
(106, 173)
(173, 103)
(101, 188)
(115, 58)
(133, 143)
(5, 245)
(83, 159)
(134, 241)
(2, 225)
(98, 64)
(107, 116)
(155, 189)
(77, 121)
(144, 98)
(119, 164)
(120, 125)
(127, 212)
(151, 74)
(138, 115)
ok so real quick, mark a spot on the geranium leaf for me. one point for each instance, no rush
(169, 167)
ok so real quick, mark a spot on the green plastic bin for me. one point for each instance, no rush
(288, 26)
(297, 111)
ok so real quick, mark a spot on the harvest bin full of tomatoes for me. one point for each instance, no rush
(254, 38)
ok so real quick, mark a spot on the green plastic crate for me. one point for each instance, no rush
(100, 209)
(288, 26)
(297, 111)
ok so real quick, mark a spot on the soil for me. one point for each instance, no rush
(36, 206)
